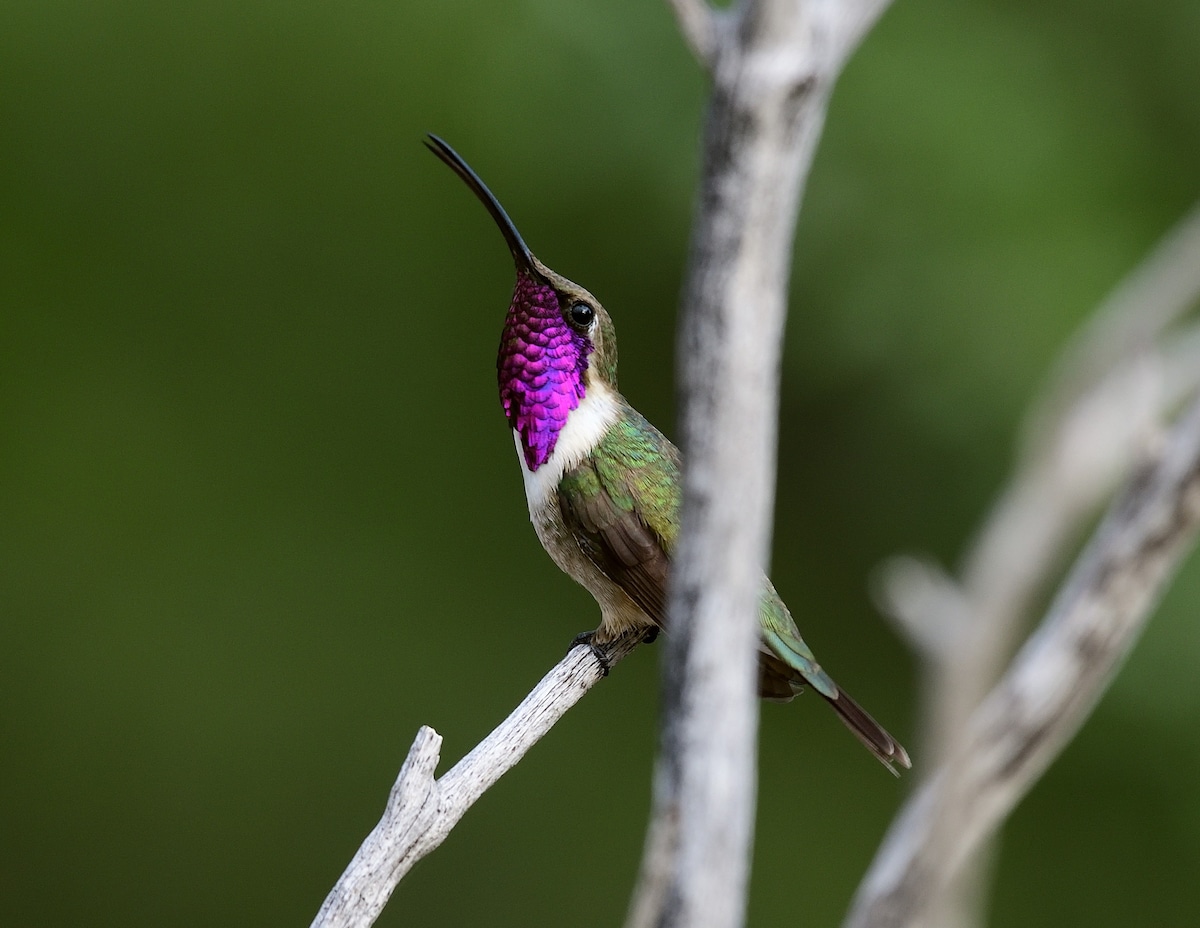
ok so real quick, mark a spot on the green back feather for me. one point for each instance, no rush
(636, 468)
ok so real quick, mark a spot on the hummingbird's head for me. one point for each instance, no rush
(558, 341)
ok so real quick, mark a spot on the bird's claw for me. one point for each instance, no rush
(598, 652)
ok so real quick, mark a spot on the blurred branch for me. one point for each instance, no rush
(1052, 685)
(1112, 387)
(698, 22)
(421, 811)
(1107, 399)
(773, 65)
(1181, 363)
(1143, 306)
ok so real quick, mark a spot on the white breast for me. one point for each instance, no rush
(586, 425)
(584, 429)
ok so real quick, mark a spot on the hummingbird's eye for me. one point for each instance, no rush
(581, 315)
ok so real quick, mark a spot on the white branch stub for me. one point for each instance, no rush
(421, 811)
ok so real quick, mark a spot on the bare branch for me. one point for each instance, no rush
(1108, 394)
(1151, 299)
(1181, 365)
(1049, 690)
(773, 64)
(1110, 391)
(928, 606)
(421, 811)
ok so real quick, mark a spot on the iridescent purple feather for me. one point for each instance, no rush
(540, 366)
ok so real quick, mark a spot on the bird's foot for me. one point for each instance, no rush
(598, 651)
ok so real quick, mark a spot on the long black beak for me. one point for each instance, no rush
(520, 251)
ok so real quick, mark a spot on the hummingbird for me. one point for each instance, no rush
(603, 484)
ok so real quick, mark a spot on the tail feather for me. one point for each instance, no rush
(887, 750)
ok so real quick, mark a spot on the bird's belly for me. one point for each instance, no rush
(619, 613)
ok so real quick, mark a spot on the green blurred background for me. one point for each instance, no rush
(260, 516)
